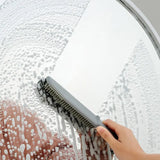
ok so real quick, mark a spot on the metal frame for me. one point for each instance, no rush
(144, 22)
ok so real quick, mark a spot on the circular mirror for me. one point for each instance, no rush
(96, 50)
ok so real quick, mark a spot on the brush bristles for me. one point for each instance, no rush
(51, 96)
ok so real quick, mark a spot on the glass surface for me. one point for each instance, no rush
(108, 63)
(97, 51)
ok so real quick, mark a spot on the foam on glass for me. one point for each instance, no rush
(109, 64)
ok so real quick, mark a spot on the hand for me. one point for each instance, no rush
(126, 147)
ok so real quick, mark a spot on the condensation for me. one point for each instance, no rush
(134, 100)
(33, 34)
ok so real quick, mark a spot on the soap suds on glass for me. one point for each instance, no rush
(134, 100)
(33, 34)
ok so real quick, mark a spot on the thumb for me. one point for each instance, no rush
(107, 136)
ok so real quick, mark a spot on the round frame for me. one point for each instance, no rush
(144, 22)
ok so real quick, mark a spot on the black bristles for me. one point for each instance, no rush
(53, 99)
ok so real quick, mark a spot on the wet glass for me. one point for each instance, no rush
(97, 51)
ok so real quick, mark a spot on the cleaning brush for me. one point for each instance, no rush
(68, 107)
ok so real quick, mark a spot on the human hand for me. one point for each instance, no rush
(126, 147)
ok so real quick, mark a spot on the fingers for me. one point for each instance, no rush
(113, 125)
(107, 136)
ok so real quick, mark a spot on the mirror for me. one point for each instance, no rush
(96, 50)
